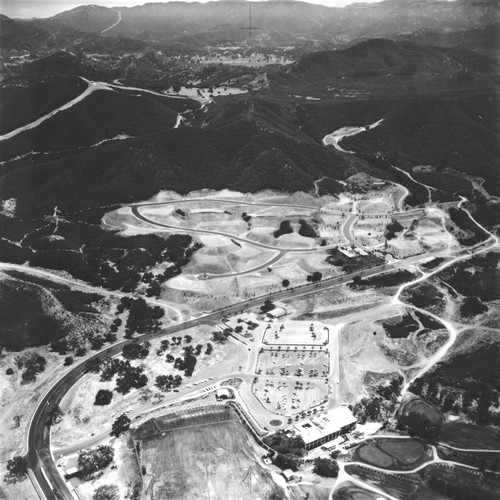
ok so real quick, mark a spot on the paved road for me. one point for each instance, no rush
(38, 437)
(135, 211)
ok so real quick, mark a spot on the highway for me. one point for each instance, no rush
(39, 456)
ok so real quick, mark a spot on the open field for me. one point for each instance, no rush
(463, 435)
(217, 460)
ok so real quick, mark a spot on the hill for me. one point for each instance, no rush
(381, 66)
(102, 115)
(185, 26)
(33, 314)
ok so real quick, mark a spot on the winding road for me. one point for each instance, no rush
(39, 457)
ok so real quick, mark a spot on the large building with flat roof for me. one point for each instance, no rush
(320, 429)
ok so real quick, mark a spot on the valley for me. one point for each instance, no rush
(245, 263)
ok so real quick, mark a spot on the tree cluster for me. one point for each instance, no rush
(17, 469)
(33, 364)
(91, 461)
(168, 382)
(142, 317)
(418, 425)
(136, 350)
(284, 228)
(120, 425)
(307, 230)
(326, 467)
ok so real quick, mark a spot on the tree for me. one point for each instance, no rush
(286, 462)
(103, 397)
(285, 283)
(131, 377)
(325, 467)
(267, 306)
(55, 416)
(17, 420)
(357, 280)
(68, 360)
(220, 336)
(9, 371)
(90, 461)
(316, 276)
(120, 425)
(17, 469)
(136, 351)
(93, 365)
(106, 492)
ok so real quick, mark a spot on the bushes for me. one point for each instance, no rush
(464, 222)
(388, 279)
(471, 307)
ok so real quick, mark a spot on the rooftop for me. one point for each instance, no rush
(320, 426)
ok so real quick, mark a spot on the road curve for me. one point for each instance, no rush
(39, 456)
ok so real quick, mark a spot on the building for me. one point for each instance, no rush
(320, 429)
(277, 312)
(288, 474)
(223, 394)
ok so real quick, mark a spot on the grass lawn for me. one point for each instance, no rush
(407, 452)
(464, 435)
(371, 454)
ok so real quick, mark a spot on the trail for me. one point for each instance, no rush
(334, 138)
(138, 89)
(452, 331)
(114, 24)
(92, 87)
(429, 188)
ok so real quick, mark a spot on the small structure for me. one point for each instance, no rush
(222, 394)
(277, 312)
(348, 252)
(288, 474)
(320, 429)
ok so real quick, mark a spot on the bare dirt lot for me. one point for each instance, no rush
(213, 461)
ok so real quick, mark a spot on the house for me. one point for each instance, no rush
(288, 474)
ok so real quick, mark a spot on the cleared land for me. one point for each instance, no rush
(217, 460)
